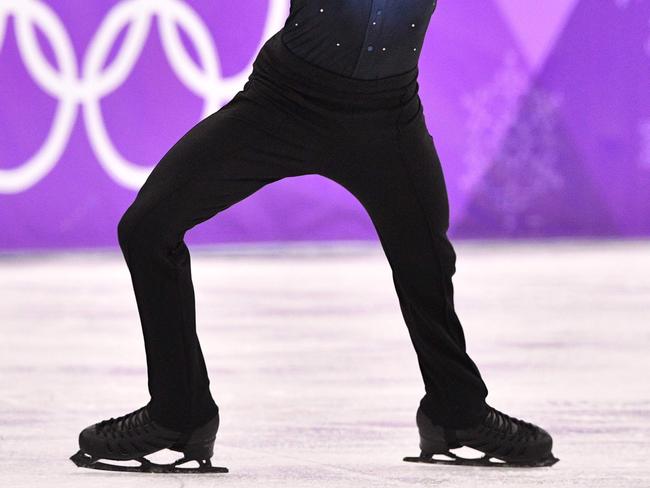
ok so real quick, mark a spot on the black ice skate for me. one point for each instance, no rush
(505, 441)
(135, 435)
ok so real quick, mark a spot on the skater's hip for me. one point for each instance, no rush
(297, 86)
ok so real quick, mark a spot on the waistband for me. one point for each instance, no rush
(278, 65)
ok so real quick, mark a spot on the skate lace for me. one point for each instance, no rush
(126, 424)
(510, 427)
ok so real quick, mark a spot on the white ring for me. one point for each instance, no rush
(96, 81)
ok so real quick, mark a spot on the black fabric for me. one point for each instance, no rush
(364, 39)
(293, 118)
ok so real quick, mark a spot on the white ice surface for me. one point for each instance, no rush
(313, 370)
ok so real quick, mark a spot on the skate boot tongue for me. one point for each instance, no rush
(130, 420)
(502, 422)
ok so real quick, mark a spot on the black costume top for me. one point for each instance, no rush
(365, 39)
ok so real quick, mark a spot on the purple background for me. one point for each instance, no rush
(540, 112)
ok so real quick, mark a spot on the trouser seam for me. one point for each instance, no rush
(429, 228)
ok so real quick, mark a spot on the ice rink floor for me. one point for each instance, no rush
(313, 369)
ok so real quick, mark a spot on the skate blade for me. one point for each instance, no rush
(485, 461)
(83, 460)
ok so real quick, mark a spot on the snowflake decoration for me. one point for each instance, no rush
(526, 167)
(513, 146)
(492, 109)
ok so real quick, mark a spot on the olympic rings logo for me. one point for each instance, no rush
(94, 82)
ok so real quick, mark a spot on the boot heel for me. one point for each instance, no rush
(432, 437)
(199, 444)
(199, 450)
(429, 447)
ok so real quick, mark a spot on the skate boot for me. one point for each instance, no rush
(504, 440)
(135, 435)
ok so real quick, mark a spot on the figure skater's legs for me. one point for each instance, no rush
(217, 163)
(398, 179)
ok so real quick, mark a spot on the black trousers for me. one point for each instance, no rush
(293, 118)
